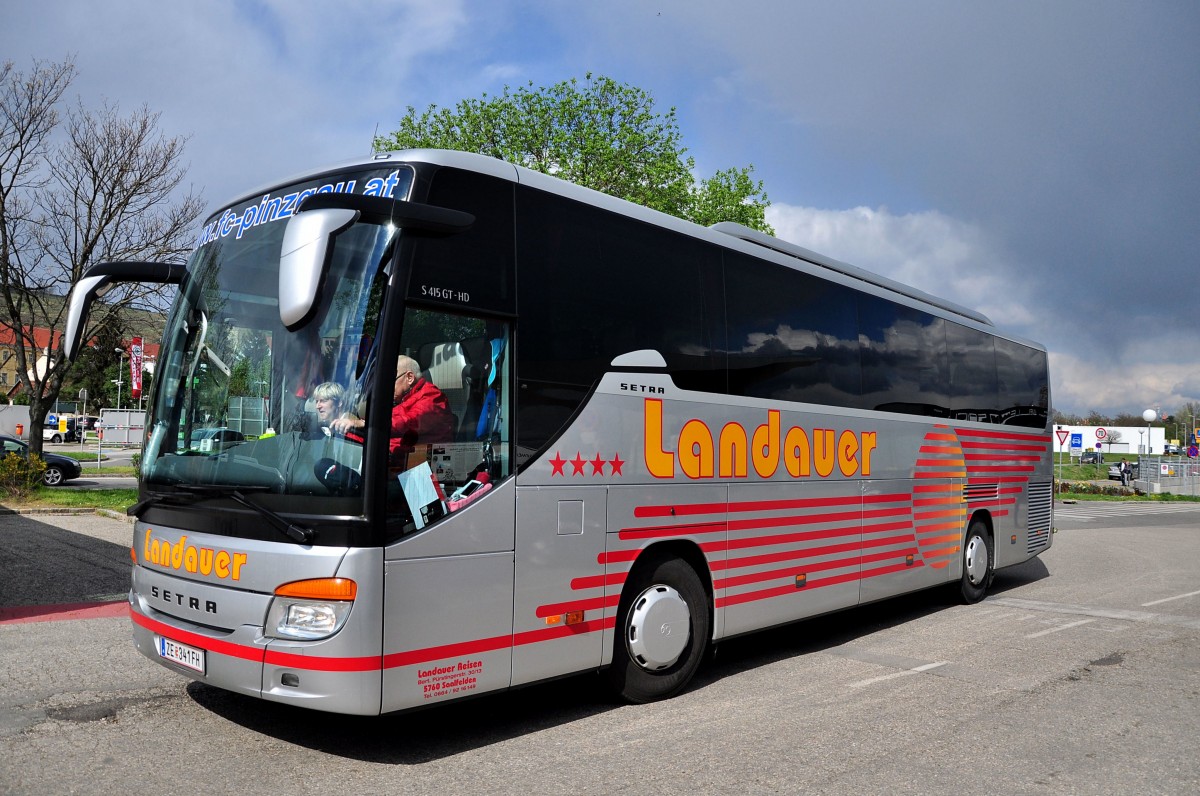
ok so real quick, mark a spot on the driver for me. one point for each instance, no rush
(420, 414)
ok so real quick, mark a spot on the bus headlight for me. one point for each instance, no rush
(310, 609)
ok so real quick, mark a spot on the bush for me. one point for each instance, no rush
(20, 476)
(1088, 488)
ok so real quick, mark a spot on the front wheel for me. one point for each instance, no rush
(663, 627)
(52, 476)
(56, 439)
(977, 562)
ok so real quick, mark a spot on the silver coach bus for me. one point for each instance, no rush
(664, 435)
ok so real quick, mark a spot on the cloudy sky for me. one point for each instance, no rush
(1038, 161)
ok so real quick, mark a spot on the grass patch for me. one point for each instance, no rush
(107, 470)
(82, 456)
(56, 497)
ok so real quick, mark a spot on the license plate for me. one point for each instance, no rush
(173, 651)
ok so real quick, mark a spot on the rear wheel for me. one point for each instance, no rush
(977, 562)
(663, 627)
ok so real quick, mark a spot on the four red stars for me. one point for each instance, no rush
(558, 464)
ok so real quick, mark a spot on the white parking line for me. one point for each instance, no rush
(1067, 626)
(1169, 599)
(915, 670)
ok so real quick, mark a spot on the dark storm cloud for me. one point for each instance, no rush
(1065, 133)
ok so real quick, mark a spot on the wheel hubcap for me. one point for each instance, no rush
(976, 560)
(659, 628)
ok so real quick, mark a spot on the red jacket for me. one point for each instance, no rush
(422, 416)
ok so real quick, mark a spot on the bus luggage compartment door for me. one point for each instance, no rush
(558, 606)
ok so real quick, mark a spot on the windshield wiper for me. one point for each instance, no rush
(297, 533)
(169, 499)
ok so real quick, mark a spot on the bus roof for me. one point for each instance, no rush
(722, 234)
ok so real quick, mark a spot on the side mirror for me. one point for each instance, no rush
(103, 277)
(302, 260)
(321, 216)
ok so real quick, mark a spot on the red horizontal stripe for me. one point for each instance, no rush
(1003, 446)
(939, 462)
(617, 557)
(593, 604)
(219, 646)
(666, 531)
(790, 538)
(1000, 457)
(779, 591)
(934, 527)
(945, 489)
(599, 581)
(941, 449)
(1004, 479)
(313, 663)
(458, 650)
(810, 552)
(687, 510)
(1043, 439)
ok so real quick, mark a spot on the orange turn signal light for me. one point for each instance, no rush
(319, 589)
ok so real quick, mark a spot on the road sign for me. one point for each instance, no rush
(1062, 436)
(1077, 442)
(1101, 433)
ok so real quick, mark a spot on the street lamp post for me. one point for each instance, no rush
(1149, 416)
(120, 369)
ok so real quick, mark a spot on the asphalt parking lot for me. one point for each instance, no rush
(1079, 674)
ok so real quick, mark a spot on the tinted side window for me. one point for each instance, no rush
(791, 336)
(1023, 384)
(903, 358)
(472, 270)
(973, 390)
(594, 285)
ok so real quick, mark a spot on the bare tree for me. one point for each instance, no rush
(78, 188)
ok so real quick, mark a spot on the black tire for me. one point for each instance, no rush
(669, 597)
(977, 562)
(53, 476)
(57, 438)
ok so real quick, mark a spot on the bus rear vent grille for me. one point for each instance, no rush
(1041, 497)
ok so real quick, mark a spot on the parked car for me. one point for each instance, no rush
(1172, 450)
(58, 468)
(1114, 471)
(1091, 457)
(51, 432)
(214, 439)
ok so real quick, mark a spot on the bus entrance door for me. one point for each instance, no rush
(447, 613)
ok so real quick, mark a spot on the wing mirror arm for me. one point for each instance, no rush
(99, 280)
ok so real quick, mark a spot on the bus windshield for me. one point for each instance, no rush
(242, 402)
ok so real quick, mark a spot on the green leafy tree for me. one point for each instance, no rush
(597, 133)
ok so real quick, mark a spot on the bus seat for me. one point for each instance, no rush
(446, 365)
(482, 395)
